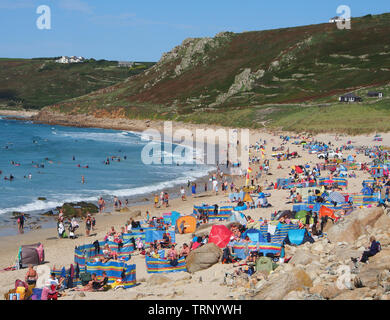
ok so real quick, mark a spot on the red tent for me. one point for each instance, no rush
(298, 169)
(220, 235)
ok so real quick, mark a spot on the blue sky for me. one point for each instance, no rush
(142, 30)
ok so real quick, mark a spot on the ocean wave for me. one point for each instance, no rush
(122, 137)
(39, 205)
(189, 175)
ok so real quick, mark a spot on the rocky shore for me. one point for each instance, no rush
(324, 270)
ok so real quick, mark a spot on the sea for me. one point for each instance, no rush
(49, 161)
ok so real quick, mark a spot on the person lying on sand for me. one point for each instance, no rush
(95, 284)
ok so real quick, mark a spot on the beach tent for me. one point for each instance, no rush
(171, 217)
(247, 197)
(239, 208)
(301, 214)
(325, 211)
(31, 254)
(298, 237)
(298, 169)
(220, 235)
(350, 158)
(254, 235)
(282, 231)
(188, 222)
(238, 217)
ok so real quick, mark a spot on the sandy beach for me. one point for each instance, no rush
(181, 285)
(60, 252)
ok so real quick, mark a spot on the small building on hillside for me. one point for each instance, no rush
(374, 94)
(350, 97)
(338, 19)
(126, 64)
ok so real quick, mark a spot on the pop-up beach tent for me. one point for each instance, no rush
(31, 254)
(254, 235)
(188, 223)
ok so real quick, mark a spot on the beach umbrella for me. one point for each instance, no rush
(336, 197)
(220, 235)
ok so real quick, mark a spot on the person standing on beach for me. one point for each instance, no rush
(183, 194)
(162, 198)
(116, 203)
(166, 198)
(88, 225)
(21, 220)
(193, 189)
(155, 200)
(101, 204)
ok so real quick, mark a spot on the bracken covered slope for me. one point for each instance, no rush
(252, 78)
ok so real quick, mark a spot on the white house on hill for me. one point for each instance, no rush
(338, 19)
(72, 59)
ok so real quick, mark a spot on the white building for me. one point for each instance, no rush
(72, 59)
(338, 19)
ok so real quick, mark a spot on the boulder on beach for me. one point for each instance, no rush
(281, 284)
(157, 279)
(354, 225)
(79, 209)
(203, 257)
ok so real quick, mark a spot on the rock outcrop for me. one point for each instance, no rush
(203, 257)
(354, 226)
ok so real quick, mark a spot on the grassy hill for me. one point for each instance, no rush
(285, 78)
(35, 83)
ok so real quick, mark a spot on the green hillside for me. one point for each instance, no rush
(285, 78)
(35, 83)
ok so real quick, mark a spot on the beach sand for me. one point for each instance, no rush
(181, 285)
